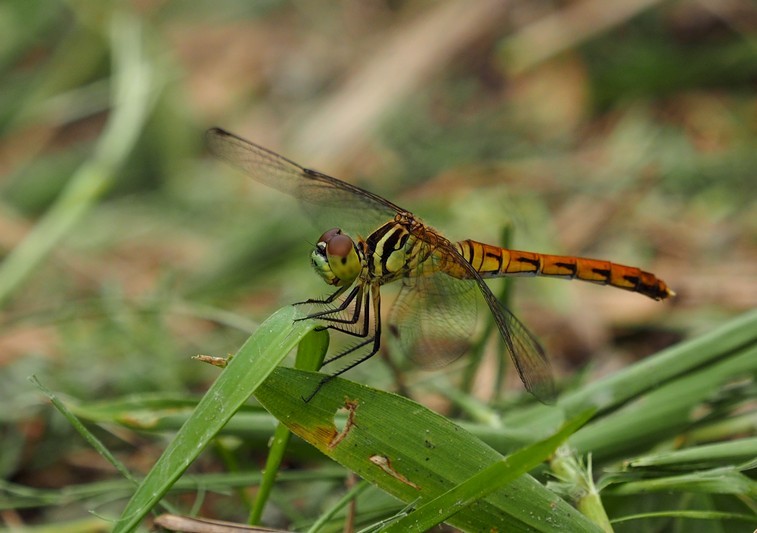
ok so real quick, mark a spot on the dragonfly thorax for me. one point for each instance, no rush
(336, 258)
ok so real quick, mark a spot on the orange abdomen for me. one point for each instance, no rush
(493, 261)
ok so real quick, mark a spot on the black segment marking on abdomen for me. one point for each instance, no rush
(605, 273)
(498, 257)
(568, 266)
(536, 263)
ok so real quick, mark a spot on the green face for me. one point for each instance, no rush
(335, 258)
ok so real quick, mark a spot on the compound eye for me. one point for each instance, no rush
(339, 245)
(326, 237)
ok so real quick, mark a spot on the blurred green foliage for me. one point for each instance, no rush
(636, 144)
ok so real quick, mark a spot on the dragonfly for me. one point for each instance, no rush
(434, 314)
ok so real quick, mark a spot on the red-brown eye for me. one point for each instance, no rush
(339, 246)
(330, 234)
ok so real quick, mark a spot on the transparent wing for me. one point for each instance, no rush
(525, 351)
(433, 318)
(459, 317)
(328, 201)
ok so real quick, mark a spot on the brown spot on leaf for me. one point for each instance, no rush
(386, 465)
(350, 406)
(319, 436)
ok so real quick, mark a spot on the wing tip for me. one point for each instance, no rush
(544, 392)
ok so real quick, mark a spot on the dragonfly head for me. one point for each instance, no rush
(335, 258)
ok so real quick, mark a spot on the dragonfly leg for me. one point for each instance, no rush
(324, 314)
(349, 327)
(326, 300)
(375, 339)
(356, 295)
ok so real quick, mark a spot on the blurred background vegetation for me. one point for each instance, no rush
(619, 130)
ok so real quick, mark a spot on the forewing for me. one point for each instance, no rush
(433, 318)
(328, 201)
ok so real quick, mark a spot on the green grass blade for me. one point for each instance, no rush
(134, 87)
(669, 365)
(683, 513)
(485, 482)
(666, 365)
(727, 480)
(345, 500)
(254, 361)
(310, 354)
(83, 431)
(698, 456)
(409, 451)
(663, 412)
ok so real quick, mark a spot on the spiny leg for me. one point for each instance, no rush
(326, 300)
(363, 301)
(375, 338)
(356, 295)
(357, 292)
